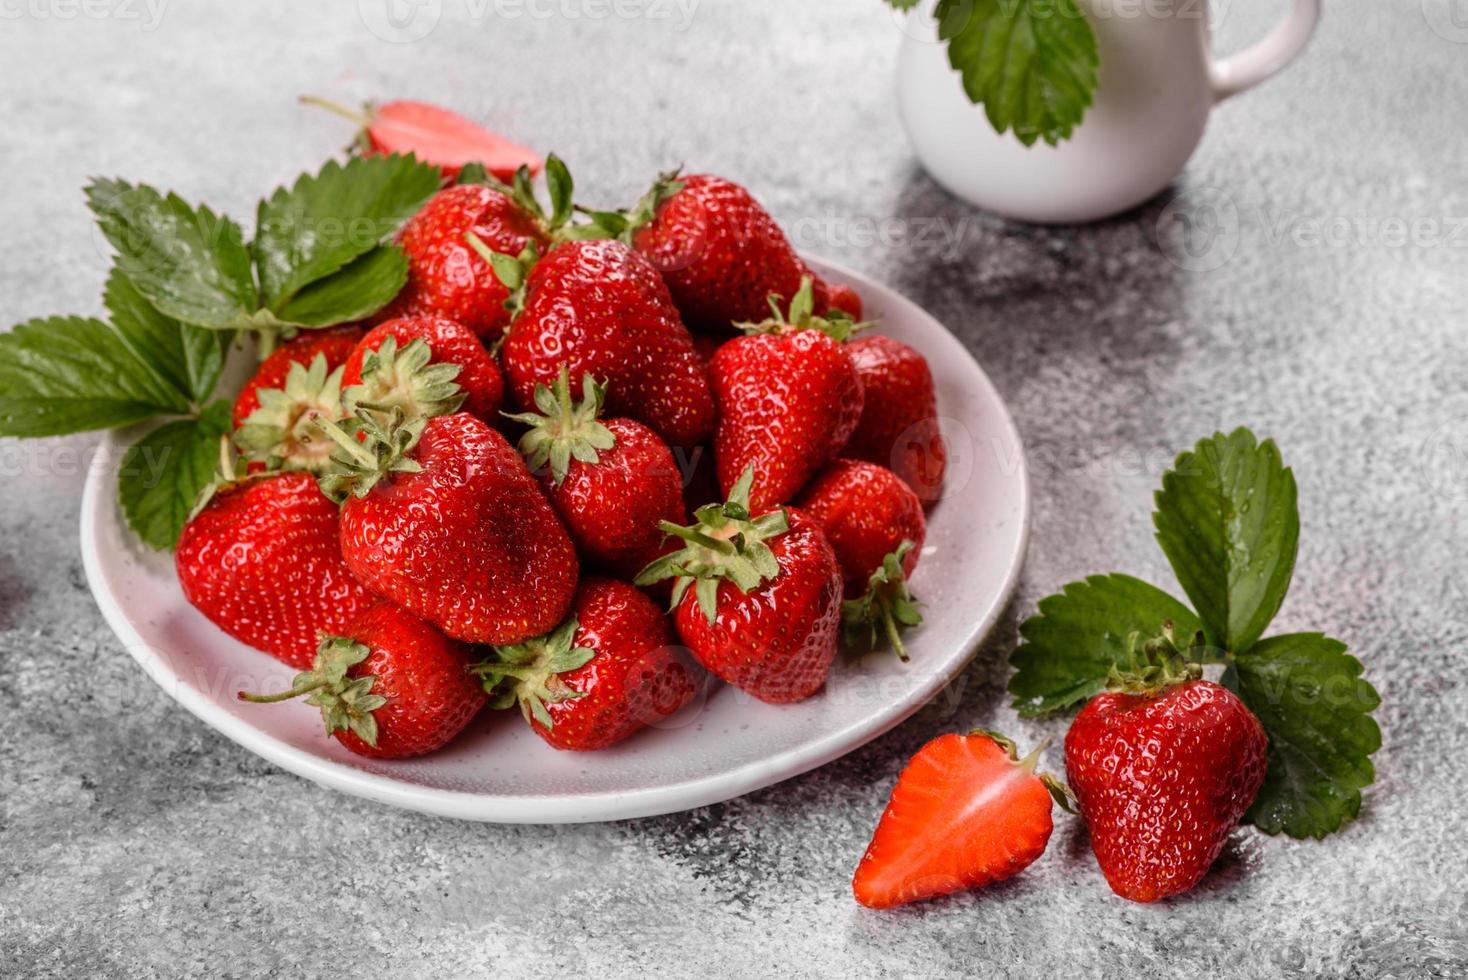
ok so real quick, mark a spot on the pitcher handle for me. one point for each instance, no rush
(1230, 76)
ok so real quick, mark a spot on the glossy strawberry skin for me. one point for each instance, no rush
(776, 642)
(451, 343)
(334, 343)
(431, 696)
(845, 299)
(600, 308)
(469, 543)
(445, 275)
(445, 139)
(1161, 780)
(612, 507)
(634, 680)
(262, 562)
(787, 402)
(962, 815)
(722, 255)
(899, 420)
(866, 511)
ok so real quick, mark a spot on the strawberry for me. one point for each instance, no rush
(1163, 766)
(875, 525)
(334, 344)
(389, 686)
(765, 598)
(611, 480)
(788, 399)
(600, 309)
(718, 250)
(281, 433)
(899, 418)
(606, 672)
(434, 135)
(441, 516)
(448, 343)
(966, 811)
(445, 277)
(260, 559)
(845, 299)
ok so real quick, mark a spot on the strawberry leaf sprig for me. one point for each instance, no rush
(184, 281)
(1227, 519)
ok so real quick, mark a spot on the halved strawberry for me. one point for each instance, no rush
(433, 134)
(965, 812)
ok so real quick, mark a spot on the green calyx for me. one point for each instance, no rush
(555, 222)
(512, 270)
(405, 381)
(563, 430)
(723, 542)
(801, 315)
(1059, 792)
(232, 472)
(884, 609)
(281, 433)
(368, 449)
(346, 703)
(1157, 663)
(528, 673)
(623, 225)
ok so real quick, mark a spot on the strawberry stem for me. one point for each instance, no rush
(355, 115)
(294, 692)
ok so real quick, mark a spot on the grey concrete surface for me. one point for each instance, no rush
(135, 842)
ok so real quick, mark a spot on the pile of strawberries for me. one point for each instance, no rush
(483, 494)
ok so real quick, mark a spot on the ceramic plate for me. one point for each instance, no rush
(724, 745)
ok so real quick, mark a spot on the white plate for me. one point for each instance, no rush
(726, 745)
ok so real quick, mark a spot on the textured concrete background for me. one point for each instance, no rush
(134, 841)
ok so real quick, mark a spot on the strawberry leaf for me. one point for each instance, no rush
(190, 264)
(189, 357)
(1228, 522)
(365, 286)
(164, 472)
(1310, 696)
(319, 226)
(1032, 64)
(69, 374)
(1081, 633)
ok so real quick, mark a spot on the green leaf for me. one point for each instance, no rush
(1309, 695)
(1228, 522)
(1032, 64)
(324, 222)
(365, 286)
(902, 4)
(190, 264)
(162, 474)
(189, 357)
(1080, 633)
(69, 374)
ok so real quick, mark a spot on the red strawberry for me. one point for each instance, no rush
(765, 600)
(899, 419)
(441, 516)
(845, 299)
(434, 135)
(600, 309)
(875, 525)
(788, 399)
(611, 480)
(261, 560)
(719, 251)
(334, 344)
(965, 812)
(445, 277)
(1163, 767)
(389, 686)
(449, 343)
(603, 674)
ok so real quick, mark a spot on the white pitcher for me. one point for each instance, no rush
(1158, 82)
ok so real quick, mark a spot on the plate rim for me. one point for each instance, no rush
(596, 806)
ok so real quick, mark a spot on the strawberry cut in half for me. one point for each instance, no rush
(966, 811)
(434, 135)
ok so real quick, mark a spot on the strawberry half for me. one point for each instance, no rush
(434, 135)
(966, 811)
(389, 686)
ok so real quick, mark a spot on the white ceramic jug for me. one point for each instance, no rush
(1158, 83)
